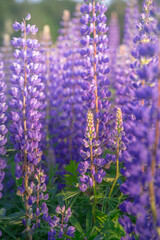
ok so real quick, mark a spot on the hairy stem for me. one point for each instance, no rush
(94, 186)
(37, 202)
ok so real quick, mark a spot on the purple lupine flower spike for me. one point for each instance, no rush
(59, 224)
(92, 157)
(113, 43)
(3, 129)
(47, 73)
(26, 100)
(141, 157)
(95, 58)
(7, 58)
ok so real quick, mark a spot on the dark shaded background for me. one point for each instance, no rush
(45, 12)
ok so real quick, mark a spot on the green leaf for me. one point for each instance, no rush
(2, 212)
(78, 236)
(72, 167)
(111, 228)
(68, 194)
(71, 178)
(99, 237)
(19, 182)
(10, 233)
(104, 204)
(101, 217)
(89, 220)
(108, 179)
(71, 194)
(113, 202)
(76, 224)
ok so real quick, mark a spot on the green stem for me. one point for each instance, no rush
(94, 208)
(117, 169)
(94, 187)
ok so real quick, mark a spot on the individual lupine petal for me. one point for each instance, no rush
(83, 187)
(85, 142)
(58, 209)
(28, 17)
(37, 212)
(63, 208)
(16, 26)
(97, 151)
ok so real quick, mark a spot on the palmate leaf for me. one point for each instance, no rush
(112, 202)
(72, 167)
(101, 217)
(112, 229)
(71, 177)
(69, 194)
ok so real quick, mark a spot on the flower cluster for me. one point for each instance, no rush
(72, 114)
(130, 22)
(59, 224)
(26, 96)
(67, 105)
(52, 89)
(47, 74)
(95, 163)
(141, 157)
(7, 57)
(95, 64)
(119, 130)
(3, 129)
(113, 43)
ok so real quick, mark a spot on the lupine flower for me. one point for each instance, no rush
(7, 58)
(58, 113)
(113, 42)
(48, 79)
(130, 22)
(141, 157)
(71, 117)
(59, 224)
(26, 96)
(94, 53)
(91, 169)
(3, 129)
(119, 145)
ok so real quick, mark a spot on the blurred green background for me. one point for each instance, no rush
(45, 12)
